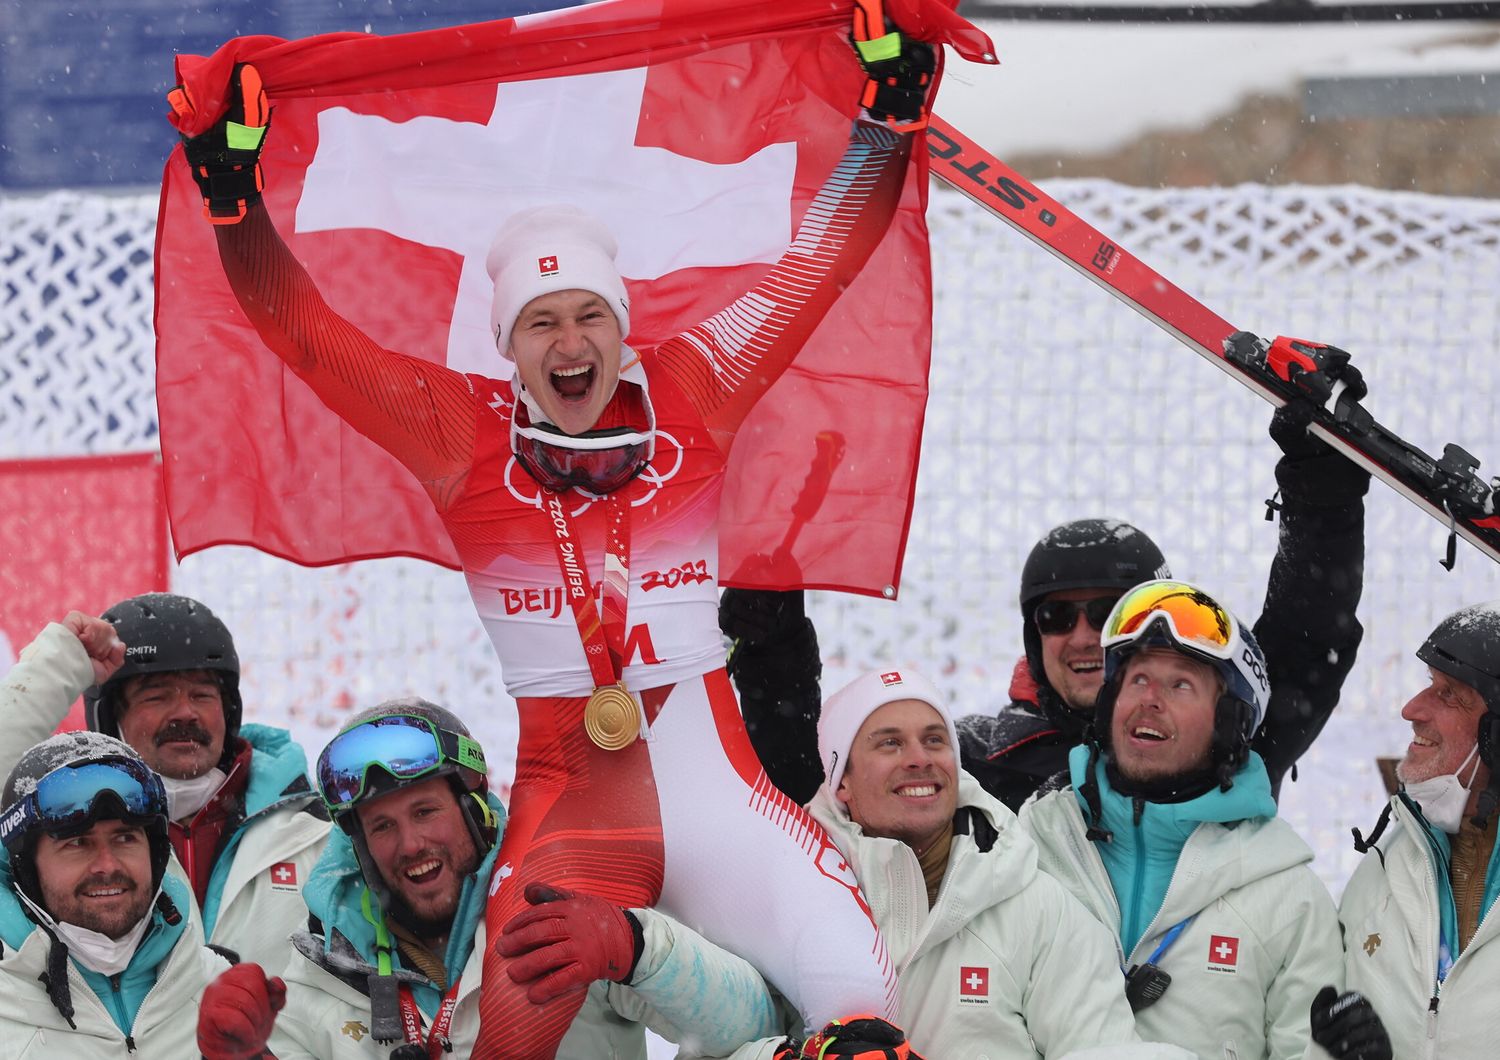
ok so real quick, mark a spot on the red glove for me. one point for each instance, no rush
(237, 1013)
(566, 942)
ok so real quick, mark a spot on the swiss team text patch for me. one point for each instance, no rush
(1223, 954)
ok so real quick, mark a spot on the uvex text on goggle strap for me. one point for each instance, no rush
(1196, 620)
(1060, 616)
(405, 746)
(70, 798)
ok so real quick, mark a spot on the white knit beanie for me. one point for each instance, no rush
(846, 710)
(546, 249)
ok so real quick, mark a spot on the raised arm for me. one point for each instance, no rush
(422, 413)
(1308, 629)
(726, 363)
(54, 670)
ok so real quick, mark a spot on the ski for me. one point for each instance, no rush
(1448, 487)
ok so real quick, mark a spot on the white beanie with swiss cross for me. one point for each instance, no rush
(547, 249)
(846, 710)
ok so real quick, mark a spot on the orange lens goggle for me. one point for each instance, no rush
(1196, 619)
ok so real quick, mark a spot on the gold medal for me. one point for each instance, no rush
(612, 718)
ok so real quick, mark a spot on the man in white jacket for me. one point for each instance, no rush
(97, 959)
(1169, 836)
(397, 937)
(994, 958)
(1420, 940)
(160, 672)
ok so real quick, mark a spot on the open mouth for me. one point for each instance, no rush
(424, 872)
(574, 383)
(917, 791)
(104, 892)
(1148, 734)
(1086, 666)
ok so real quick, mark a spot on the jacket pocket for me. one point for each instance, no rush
(1230, 1051)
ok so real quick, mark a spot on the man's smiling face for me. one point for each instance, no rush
(99, 879)
(901, 779)
(566, 347)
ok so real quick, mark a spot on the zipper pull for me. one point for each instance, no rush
(1432, 1008)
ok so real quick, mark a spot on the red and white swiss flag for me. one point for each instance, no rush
(547, 266)
(892, 678)
(391, 163)
(1223, 950)
(973, 982)
(283, 876)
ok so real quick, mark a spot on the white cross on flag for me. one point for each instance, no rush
(392, 161)
(546, 266)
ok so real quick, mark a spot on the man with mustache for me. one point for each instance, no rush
(397, 940)
(1418, 935)
(99, 959)
(1168, 835)
(162, 674)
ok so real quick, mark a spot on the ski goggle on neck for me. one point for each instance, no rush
(68, 800)
(598, 461)
(1194, 618)
(404, 745)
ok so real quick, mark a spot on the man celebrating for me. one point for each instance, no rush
(246, 825)
(1169, 836)
(1070, 580)
(994, 957)
(1076, 572)
(592, 472)
(1419, 942)
(397, 903)
(97, 959)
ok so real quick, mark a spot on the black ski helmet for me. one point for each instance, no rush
(65, 751)
(165, 633)
(1466, 647)
(470, 786)
(1083, 554)
(1240, 707)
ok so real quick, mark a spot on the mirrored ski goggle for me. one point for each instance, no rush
(70, 799)
(405, 746)
(1196, 620)
(1060, 616)
(598, 461)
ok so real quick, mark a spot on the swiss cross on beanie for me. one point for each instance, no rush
(846, 710)
(547, 249)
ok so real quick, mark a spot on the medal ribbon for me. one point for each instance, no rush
(438, 1042)
(603, 637)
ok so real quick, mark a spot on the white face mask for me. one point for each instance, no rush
(1443, 799)
(96, 952)
(186, 797)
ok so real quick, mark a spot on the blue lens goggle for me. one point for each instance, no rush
(70, 798)
(403, 745)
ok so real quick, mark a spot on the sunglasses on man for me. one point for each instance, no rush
(1060, 616)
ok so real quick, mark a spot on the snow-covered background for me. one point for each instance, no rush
(1050, 399)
